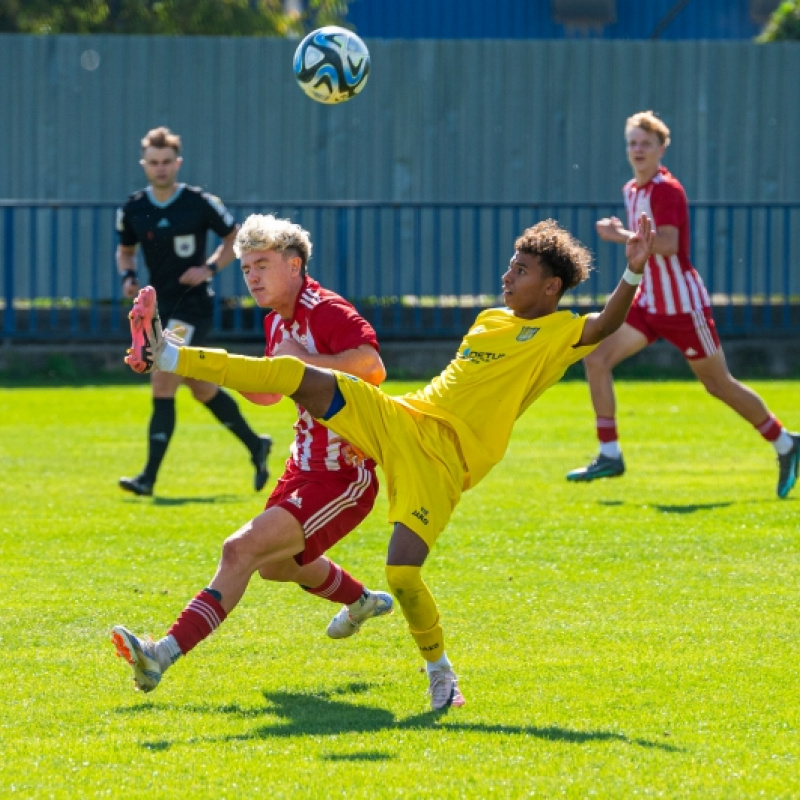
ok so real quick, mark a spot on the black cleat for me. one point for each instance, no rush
(788, 466)
(139, 485)
(601, 467)
(260, 463)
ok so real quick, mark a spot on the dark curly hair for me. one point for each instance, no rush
(559, 252)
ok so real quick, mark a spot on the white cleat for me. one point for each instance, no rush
(444, 689)
(140, 654)
(347, 622)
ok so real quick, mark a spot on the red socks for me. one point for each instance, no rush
(199, 619)
(606, 429)
(339, 587)
(770, 428)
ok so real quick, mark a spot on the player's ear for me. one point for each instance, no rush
(553, 286)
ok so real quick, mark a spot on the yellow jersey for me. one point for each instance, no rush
(502, 365)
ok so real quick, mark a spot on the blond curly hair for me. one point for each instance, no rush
(266, 232)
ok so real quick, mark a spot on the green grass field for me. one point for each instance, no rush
(629, 638)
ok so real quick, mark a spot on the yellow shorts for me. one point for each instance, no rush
(419, 455)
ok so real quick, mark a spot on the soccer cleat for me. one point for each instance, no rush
(348, 622)
(147, 340)
(444, 689)
(260, 463)
(140, 654)
(601, 467)
(788, 467)
(139, 485)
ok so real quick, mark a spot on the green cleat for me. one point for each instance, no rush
(788, 466)
(601, 467)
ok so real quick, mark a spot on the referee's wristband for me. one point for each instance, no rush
(631, 277)
(212, 268)
(129, 274)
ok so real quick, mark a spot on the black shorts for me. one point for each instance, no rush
(195, 317)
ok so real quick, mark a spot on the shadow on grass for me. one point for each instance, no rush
(322, 715)
(689, 508)
(186, 501)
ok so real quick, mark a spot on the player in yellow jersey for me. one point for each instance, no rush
(441, 440)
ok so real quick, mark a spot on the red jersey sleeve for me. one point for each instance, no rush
(337, 326)
(669, 204)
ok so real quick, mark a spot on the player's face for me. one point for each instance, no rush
(272, 279)
(528, 288)
(645, 152)
(161, 165)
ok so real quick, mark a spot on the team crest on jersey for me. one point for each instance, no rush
(527, 333)
(184, 245)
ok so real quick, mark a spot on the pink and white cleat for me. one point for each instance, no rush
(147, 339)
(443, 690)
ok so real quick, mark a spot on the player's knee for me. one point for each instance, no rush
(234, 553)
(596, 363)
(718, 388)
(713, 389)
(203, 392)
(403, 580)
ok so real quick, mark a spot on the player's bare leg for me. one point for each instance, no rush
(272, 536)
(713, 373)
(599, 365)
(716, 378)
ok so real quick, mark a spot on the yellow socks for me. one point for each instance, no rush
(280, 375)
(419, 609)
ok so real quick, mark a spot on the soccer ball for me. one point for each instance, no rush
(331, 65)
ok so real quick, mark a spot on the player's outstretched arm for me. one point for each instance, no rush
(638, 249)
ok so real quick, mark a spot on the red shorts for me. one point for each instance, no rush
(327, 504)
(694, 334)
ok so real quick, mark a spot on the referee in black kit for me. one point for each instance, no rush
(171, 221)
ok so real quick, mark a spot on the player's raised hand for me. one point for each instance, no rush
(639, 246)
(610, 229)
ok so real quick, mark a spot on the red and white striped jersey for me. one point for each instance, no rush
(322, 322)
(671, 285)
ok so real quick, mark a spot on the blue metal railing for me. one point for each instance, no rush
(416, 270)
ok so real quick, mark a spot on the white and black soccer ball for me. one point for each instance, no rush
(331, 64)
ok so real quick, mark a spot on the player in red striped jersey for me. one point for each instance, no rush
(327, 488)
(671, 303)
